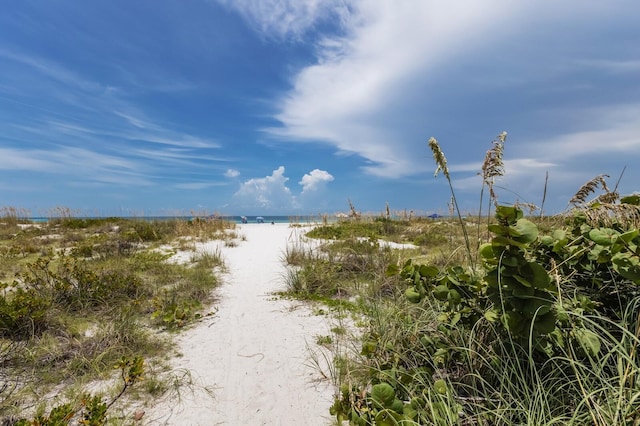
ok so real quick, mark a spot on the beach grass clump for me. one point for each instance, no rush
(362, 227)
(79, 296)
(340, 268)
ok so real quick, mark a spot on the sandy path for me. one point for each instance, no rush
(253, 354)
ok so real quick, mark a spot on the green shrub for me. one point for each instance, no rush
(23, 313)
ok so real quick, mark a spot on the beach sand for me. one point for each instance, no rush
(253, 354)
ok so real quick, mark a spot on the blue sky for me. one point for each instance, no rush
(295, 107)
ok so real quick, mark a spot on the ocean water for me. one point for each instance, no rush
(275, 219)
(235, 219)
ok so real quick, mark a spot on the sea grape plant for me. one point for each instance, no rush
(520, 289)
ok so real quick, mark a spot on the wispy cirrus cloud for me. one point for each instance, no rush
(198, 185)
(287, 18)
(83, 127)
(80, 164)
(48, 68)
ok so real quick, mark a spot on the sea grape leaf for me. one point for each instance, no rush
(522, 280)
(603, 236)
(454, 296)
(409, 411)
(492, 278)
(412, 295)
(512, 261)
(508, 213)
(487, 252)
(504, 241)
(537, 307)
(546, 323)
(455, 318)
(523, 292)
(536, 275)
(514, 322)
(441, 292)
(627, 265)
(498, 229)
(589, 341)
(440, 386)
(428, 271)
(631, 199)
(383, 393)
(397, 406)
(392, 270)
(524, 231)
(628, 236)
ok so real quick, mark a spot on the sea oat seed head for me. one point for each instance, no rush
(439, 157)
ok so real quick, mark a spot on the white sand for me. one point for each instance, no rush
(253, 354)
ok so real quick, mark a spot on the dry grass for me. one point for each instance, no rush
(82, 339)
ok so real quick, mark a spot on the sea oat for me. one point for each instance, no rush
(493, 166)
(607, 198)
(626, 215)
(589, 188)
(528, 206)
(439, 157)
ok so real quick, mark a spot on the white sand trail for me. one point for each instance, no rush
(253, 353)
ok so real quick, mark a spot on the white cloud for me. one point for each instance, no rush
(315, 180)
(83, 165)
(384, 64)
(198, 185)
(286, 18)
(271, 193)
(389, 44)
(267, 193)
(232, 173)
(611, 129)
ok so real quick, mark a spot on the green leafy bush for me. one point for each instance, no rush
(24, 313)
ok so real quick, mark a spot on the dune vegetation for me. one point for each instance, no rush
(81, 297)
(501, 318)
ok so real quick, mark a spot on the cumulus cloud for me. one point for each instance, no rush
(268, 193)
(232, 173)
(315, 180)
(271, 193)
